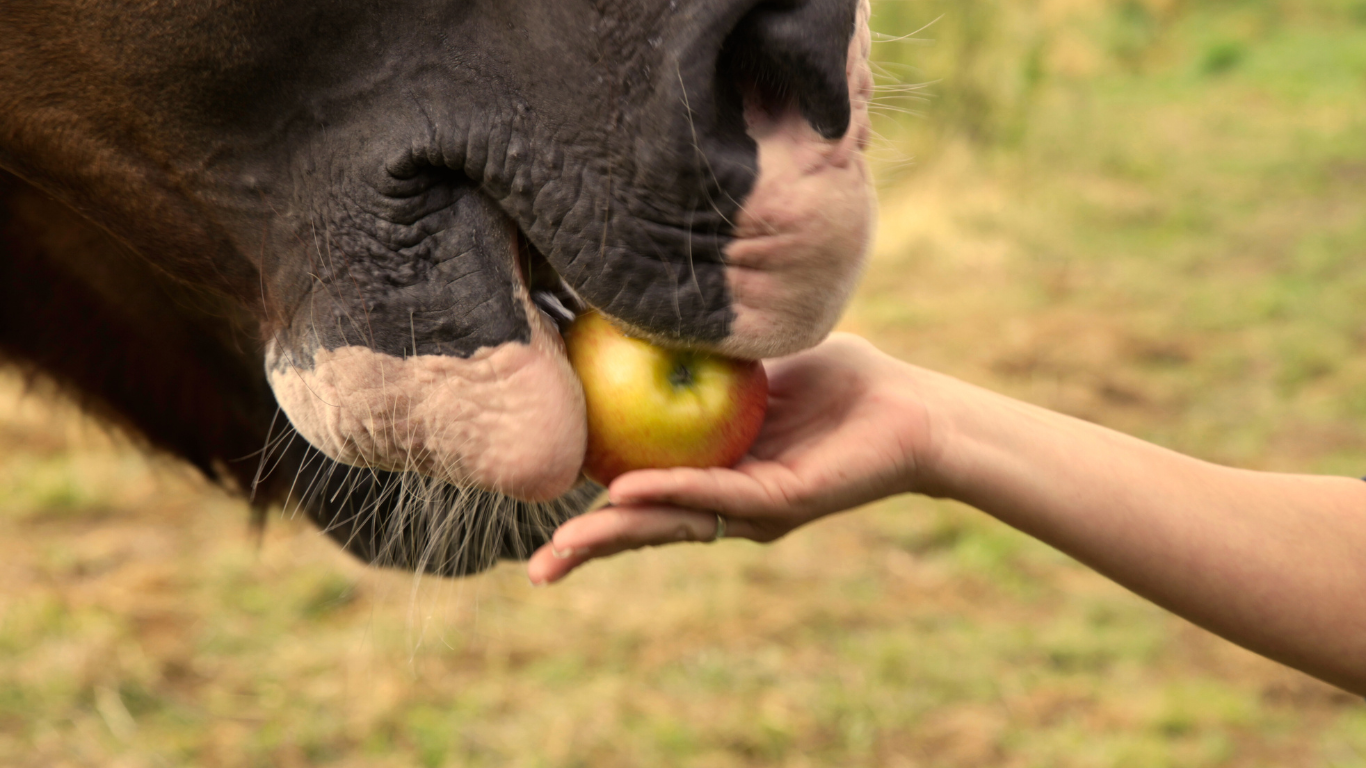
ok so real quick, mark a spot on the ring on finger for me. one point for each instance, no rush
(720, 527)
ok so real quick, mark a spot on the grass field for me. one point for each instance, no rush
(1147, 214)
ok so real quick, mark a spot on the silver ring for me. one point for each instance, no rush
(720, 527)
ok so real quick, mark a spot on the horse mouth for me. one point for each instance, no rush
(549, 292)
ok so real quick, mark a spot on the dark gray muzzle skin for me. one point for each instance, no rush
(347, 174)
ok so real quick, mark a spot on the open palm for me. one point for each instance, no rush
(843, 429)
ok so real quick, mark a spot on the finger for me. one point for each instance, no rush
(548, 565)
(755, 488)
(616, 529)
(619, 529)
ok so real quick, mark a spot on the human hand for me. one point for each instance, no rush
(845, 427)
(1270, 561)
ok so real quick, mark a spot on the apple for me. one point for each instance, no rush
(655, 407)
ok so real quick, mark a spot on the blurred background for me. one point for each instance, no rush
(1146, 213)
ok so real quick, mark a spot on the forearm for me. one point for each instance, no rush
(1276, 563)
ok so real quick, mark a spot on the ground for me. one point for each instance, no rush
(1149, 215)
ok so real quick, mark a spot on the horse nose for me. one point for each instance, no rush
(785, 53)
(692, 146)
(725, 59)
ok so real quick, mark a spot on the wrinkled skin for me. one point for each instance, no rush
(370, 216)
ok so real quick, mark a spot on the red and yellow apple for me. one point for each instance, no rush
(655, 407)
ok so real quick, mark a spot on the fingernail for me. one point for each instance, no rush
(535, 583)
(565, 554)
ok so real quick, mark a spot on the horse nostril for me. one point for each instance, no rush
(795, 51)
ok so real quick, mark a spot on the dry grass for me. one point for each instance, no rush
(142, 625)
(1168, 240)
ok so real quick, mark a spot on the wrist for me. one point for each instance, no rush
(974, 439)
(933, 402)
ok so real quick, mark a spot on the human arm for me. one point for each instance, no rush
(1273, 562)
